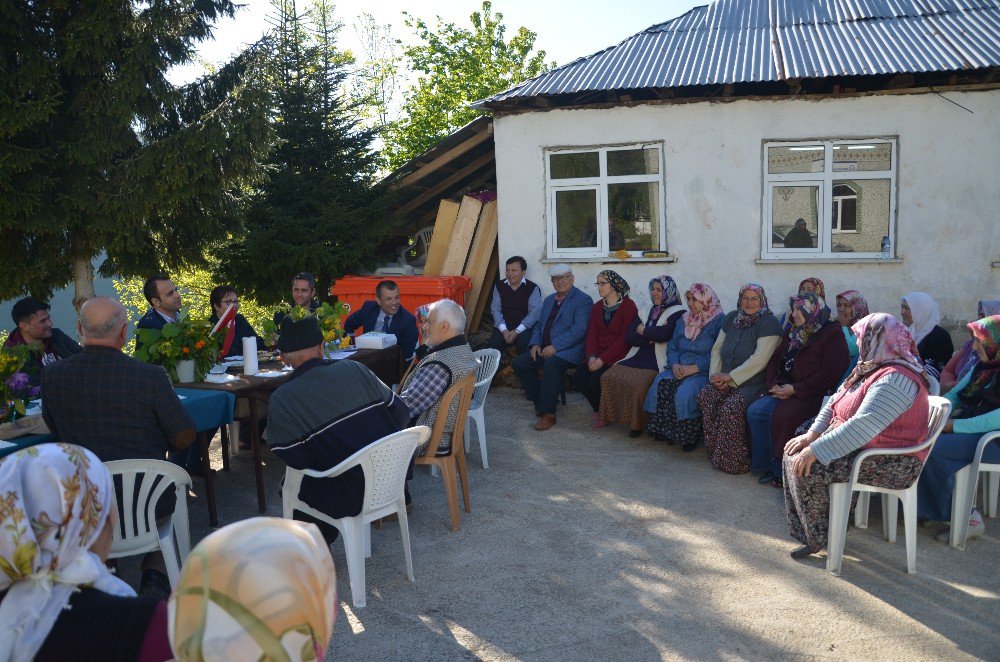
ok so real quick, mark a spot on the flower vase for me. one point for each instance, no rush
(185, 371)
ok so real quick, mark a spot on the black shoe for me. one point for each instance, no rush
(801, 552)
(154, 584)
(689, 446)
(667, 440)
(195, 470)
(766, 478)
(777, 484)
(634, 434)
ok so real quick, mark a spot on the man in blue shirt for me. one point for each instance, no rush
(387, 315)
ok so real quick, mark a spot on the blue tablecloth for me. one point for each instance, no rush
(209, 409)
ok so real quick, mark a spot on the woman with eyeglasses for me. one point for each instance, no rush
(221, 297)
(749, 336)
(610, 319)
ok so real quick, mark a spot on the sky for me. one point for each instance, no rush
(566, 29)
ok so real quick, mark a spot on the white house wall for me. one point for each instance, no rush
(948, 203)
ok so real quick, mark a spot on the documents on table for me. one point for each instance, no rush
(340, 354)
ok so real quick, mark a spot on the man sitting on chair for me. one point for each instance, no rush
(386, 315)
(324, 414)
(448, 360)
(516, 304)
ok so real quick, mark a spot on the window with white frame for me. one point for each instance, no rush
(604, 199)
(825, 198)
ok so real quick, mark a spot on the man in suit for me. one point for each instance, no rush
(557, 344)
(33, 326)
(117, 407)
(387, 315)
(164, 302)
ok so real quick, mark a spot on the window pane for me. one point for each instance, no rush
(634, 212)
(867, 157)
(579, 164)
(576, 219)
(800, 158)
(789, 205)
(633, 162)
(870, 211)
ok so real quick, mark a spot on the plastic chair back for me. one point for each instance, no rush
(489, 362)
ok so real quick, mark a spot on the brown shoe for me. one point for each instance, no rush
(538, 414)
(545, 422)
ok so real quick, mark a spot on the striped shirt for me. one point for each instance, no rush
(887, 399)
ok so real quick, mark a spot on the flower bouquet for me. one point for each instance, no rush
(188, 339)
(15, 390)
(329, 316)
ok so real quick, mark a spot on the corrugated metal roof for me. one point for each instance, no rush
(746, 41)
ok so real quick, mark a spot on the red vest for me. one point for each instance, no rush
(909, 429)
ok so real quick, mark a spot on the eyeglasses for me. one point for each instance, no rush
(230, 302)
(563, 277)
(599, 283)
(750, 299)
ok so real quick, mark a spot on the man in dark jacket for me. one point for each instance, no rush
(386, 314)
(33, 326)
(303, 294)
(324, 414)
(799, 237)
(164, 303)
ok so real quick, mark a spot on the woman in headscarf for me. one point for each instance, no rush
(739, 357)
(610, 319)
(851, 307)
(921, 314)
(58, 514)
(965, 358)
(672, 398)
(261, 589)
(975, 403)
(882, 404)
(811, 284)
(807, 365)
(624, 386)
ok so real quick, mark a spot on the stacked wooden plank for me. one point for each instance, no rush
(465, 243)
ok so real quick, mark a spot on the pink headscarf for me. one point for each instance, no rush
(711, 308)
(883, 340)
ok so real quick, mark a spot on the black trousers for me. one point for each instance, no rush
(589, 383)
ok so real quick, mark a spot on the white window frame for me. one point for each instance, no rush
(837, 211)
(600, 184)
(825, 179)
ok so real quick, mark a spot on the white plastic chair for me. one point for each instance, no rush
(384, 463)
(964, 494)
(840, 496)
(421, 244)
(136, 531)
(934, 387)
(489, 361)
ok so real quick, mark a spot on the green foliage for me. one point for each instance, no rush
(459, 65)
(189, 338)
(320, 211)
(99, 152)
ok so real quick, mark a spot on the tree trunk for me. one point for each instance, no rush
(83, 281)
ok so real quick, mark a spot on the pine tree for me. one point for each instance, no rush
(101, 154)
(321, 210)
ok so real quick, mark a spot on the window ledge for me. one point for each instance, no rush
(828, 260)
(609, 260)
(995, 265)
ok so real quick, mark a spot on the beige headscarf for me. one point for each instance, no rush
(263, 588)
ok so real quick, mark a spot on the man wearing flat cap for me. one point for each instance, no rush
(557, 344)
(325, 413)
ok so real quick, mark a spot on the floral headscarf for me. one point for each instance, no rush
(987, 332)
(883, 340)
(968, 358)
(988, 308)
(744, 321)
(816, 314)
(670, 297)
(817, 284)
(711, 308)
(263, 588)
(54, 502)
(926, 314)
(859, 306)
(617, 283)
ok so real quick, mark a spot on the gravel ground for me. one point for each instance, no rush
(583, 544)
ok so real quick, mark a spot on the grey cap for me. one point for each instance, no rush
(560, 269)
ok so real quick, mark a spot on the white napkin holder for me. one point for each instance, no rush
(375, 340)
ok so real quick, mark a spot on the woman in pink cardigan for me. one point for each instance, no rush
(610, 319)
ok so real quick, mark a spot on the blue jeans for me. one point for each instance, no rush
(951, 453)
(759, 422)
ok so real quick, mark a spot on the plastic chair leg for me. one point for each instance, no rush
(909, 500)
(861, 510)
(963, 495)
(167, 547)
(366, 527)
(840, 507)
(404, 530)
(991, 489)
(480, 420)
(889, 516)
(451, 492)
(465, 435)
(354, 549)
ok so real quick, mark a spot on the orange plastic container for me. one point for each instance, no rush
(414, 291)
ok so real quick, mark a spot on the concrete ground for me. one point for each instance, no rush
(587, 545)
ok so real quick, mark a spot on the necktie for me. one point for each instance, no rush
(385, 323)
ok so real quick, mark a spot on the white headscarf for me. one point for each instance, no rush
(54, 502)
(925, 312)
